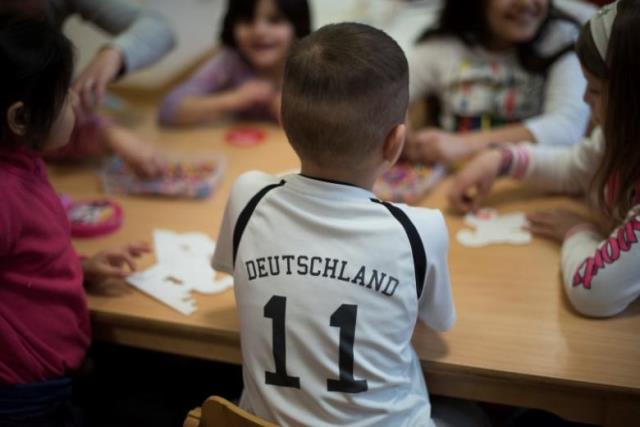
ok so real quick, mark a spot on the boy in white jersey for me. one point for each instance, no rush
(330, 281)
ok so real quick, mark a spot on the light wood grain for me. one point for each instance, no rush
(516, 340)
(218, 411)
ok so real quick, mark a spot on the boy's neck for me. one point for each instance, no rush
(359, 178)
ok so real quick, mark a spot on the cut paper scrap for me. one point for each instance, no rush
(492, 228)
(171, 246)
(183, 265)
(159, 283)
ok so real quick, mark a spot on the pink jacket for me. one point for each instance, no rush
(44, 320)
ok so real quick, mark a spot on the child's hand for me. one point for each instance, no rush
(472, 184)
(145, 161)
(113, 263)
(554, 224)
(255, 92)
(91, 84)
(436, 146)
(142, 157)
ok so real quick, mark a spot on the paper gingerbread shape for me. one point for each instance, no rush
(183, 265)
(491, 229)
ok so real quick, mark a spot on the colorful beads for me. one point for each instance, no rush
(190, 178)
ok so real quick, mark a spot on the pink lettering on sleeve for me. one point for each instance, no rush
(607, 254)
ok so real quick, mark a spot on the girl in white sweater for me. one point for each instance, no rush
(502, 71)
(600, 262)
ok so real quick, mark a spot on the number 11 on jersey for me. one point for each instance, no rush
(344, 318)
(275, 310)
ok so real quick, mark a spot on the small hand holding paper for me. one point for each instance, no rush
(113, 263)
(183, 265)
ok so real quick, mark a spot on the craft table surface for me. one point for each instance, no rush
(516, 340)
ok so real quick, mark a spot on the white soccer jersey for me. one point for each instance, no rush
(329, 283)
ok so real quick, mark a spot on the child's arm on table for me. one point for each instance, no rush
(142, 157)
(208, 95)
(196, 109)
(553, 169)
(601, 274)
(95, 136)
(435, 145)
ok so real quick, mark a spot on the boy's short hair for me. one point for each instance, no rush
(36, 66)
(346, 87)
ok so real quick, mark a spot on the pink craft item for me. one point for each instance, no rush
(94, 218)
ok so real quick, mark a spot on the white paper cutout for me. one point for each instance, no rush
(170, 246)
(183, 265)
(157, 282)
(491, 228)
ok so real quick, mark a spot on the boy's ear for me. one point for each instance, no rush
(394, 143)
(16, 118)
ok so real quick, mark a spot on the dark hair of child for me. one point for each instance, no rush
(621, 155)
(345, 89)
(467, 20)
(295, 11)
(36, 66)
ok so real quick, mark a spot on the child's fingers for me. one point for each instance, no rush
(78, 84)
(541, 218)
(467, 191)
(457, 197)
(542, 230)
(107, 270)
(138, 248)
(87, 96)
(159, 165)
(480, 192)
(100, 89)
(120, 258)
(461, 197)
(472, 197)
(146, 169)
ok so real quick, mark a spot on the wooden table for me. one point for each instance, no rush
(516, 340)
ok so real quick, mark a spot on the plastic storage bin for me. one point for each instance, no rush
(190, 176)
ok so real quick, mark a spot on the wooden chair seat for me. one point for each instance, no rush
(219, 412)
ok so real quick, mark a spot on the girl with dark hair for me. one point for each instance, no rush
(44, 322)
(503, 71)
(600, 261)
(245, 77)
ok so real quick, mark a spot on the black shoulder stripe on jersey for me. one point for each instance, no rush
(245, 215)
(417, 248)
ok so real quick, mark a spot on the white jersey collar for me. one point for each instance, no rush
(326, 188)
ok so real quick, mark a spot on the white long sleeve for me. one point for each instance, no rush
(566, 170)
(564, 114)
(602, 276)
(143, 35)
(427, 62)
